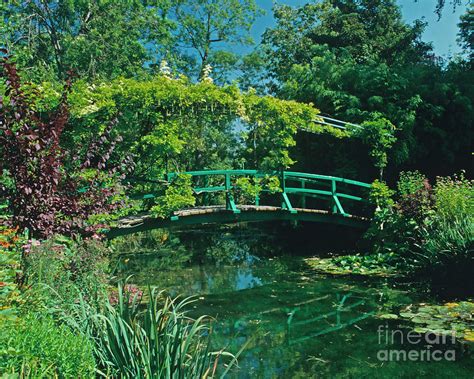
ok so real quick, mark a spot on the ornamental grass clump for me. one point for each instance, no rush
(158, 340)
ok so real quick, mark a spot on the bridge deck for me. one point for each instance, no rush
(219, 213)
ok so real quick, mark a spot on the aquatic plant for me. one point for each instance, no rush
(454, 318)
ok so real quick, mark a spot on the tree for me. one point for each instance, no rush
(93, 38)
(440, 4)
(379, 136)
(358, 60)
(208, 27)
(466, 32)
(365, 31)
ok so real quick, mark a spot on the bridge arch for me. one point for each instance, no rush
(298, 197)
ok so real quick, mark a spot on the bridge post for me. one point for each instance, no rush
(337, 206)
(285, 204)
(205, 198)
(303, 196)
(229, 198)
(283, 188)
(333, 201)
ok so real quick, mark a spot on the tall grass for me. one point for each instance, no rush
(446, 244)
(158, 340)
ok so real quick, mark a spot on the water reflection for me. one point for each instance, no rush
(295, 323)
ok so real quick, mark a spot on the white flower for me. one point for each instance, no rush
(206, 74)
(165, 70)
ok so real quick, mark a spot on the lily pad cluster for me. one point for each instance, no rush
(457, 318)
(370, 265)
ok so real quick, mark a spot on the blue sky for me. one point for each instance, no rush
(441, 33)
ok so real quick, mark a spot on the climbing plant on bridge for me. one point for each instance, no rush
(179, 194)
(176, 125)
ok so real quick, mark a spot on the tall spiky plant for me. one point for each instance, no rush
(158, 341)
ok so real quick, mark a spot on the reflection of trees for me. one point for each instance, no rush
(145, 255)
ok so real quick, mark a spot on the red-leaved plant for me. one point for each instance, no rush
(46, 195)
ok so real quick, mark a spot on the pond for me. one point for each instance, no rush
(293, 322)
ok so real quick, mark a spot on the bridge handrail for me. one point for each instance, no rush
(262, 173)
(331, 194)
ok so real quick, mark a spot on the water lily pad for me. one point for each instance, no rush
(419, 320)
(420, 330)
(389, 316)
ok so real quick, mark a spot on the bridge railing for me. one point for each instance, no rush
(335, 192)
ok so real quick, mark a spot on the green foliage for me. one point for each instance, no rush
(379, 136)
(179, 194)
(172, 125)
(63, 266)
(355, 60)
(204, 23)
(108, 39)
(159, 340)
(247, 189)
(446, 244)
(447, 237)
(273, 184)
(454, 197)
(410, 182)
(381, 195)
(429, 230)
(10, 271)
(273, 124)
(36, 347)
(466, 31)
(95, 39)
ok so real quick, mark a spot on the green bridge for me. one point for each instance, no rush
(295, 196)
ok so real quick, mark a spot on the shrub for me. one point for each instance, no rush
(381, 195)
(429, 229)
(447, 243)
(50, 190)
(415, 196)
(447, 238)
(36, 347)
(10, 270)
(410, 182)
(454, 197)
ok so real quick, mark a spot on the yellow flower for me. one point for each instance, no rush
(469, 336)
(451, 305)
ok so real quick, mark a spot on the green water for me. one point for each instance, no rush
(293, 322)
